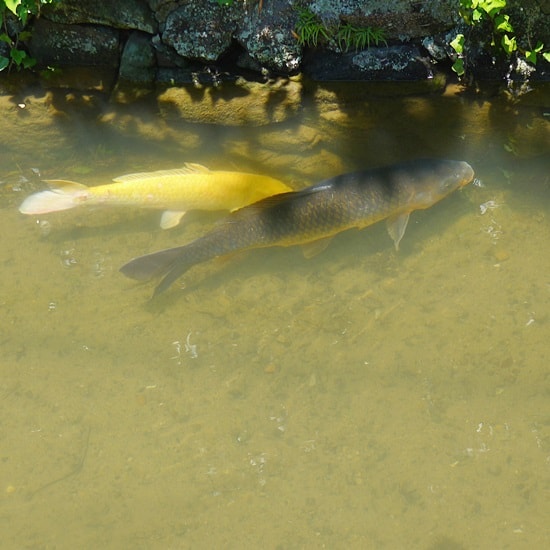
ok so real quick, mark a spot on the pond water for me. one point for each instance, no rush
(364, 398)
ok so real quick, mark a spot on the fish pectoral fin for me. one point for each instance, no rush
(310, 250)
(171, 218)
(396, 226)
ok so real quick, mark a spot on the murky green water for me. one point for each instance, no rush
(361, 399)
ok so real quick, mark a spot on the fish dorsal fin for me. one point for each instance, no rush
(396, 226)
(194, 167)
(65, 186)
(185, 170)
(277, 199)
(310, 250)
(171, 218)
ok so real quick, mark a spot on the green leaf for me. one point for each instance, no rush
(477, 15)
(12, 5)
(362, 39)
(17, 55)
(509, 45)
(5, 38)
(458, 67)
(28, 62)
(458, 43)
(4, 62)
(502, 23)
(546, 56)
(24, 35)
(492, 7)
(531, 57)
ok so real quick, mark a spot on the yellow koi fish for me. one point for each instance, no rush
(193, 187)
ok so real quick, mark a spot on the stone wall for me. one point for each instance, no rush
(204, 41)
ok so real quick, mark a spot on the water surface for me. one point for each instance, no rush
(360, 399)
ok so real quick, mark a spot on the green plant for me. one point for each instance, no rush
(21, 11)
(359, 37)
(458, 46)
(503, 36)
(476, 11)
(310, 31)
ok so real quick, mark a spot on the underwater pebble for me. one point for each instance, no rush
(501, 255)
(271, 369)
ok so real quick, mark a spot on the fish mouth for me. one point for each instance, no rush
(468, 176)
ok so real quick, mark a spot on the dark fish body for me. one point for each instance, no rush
(353, 200)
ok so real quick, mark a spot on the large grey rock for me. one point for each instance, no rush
(268, 39)
(122, 14)
(387, 63)
(200, 30)
(161, 9)
(399, 18)
(206, 31)
(84, 45)
(137, 63)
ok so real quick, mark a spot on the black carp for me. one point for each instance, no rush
(314, 214)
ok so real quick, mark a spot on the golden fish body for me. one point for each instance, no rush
(192, 187)
(354, 200)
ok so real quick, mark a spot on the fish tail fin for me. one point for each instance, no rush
(177, 269)
(63, 195)
(171, 263)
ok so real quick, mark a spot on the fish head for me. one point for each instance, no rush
(439, 180)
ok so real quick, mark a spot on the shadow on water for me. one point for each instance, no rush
(382, 129)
